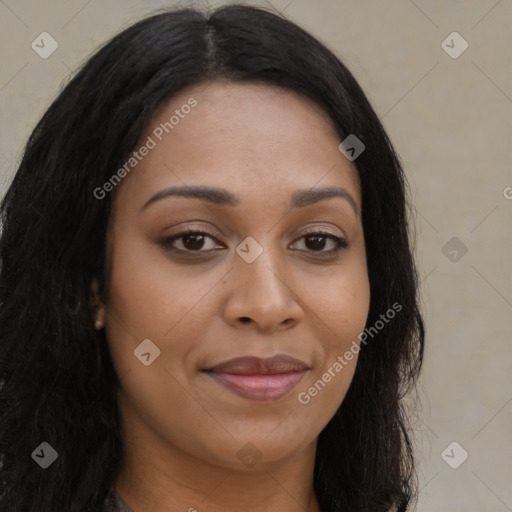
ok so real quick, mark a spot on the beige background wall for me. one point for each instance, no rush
(451, 121)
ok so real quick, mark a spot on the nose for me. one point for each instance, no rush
(263, 295)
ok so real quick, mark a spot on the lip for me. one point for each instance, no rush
(259, 379)
(250, 365)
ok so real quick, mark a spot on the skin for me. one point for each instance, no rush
(183, 431)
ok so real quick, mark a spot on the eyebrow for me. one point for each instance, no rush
(221, 196)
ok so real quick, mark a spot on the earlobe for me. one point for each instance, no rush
(99, 321)
(97, 306)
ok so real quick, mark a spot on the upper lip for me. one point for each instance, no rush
(251, 365)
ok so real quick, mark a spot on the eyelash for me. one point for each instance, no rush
(341, 243)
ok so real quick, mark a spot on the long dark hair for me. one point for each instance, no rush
(58, 384)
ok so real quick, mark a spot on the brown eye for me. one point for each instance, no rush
(190, 241)
(193, 242)
(317, 241)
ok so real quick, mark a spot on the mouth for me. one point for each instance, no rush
(259, 379)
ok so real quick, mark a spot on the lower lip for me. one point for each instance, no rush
(259, 387)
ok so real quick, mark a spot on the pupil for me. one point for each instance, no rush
(316, 244)
(197, 243)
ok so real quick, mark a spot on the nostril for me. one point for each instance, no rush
(245, 319)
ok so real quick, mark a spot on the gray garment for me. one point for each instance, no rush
(114, 502)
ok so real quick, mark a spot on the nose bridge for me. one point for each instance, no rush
(259, 266)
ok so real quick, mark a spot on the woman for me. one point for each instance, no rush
(208, 295)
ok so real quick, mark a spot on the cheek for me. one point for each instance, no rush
(342, 307)
(148, 292)
(342, 303)
(348, 316)
(151, 298)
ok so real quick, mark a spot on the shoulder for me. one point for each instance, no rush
(114, 503)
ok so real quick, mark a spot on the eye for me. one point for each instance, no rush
(190, 240)
(316, 242)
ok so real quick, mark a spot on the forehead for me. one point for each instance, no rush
(252, 139)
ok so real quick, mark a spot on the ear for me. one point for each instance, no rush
(97, 306)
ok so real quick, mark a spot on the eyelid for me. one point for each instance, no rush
(191, 227)
(323, 229)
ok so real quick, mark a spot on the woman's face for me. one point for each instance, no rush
(259, 282)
